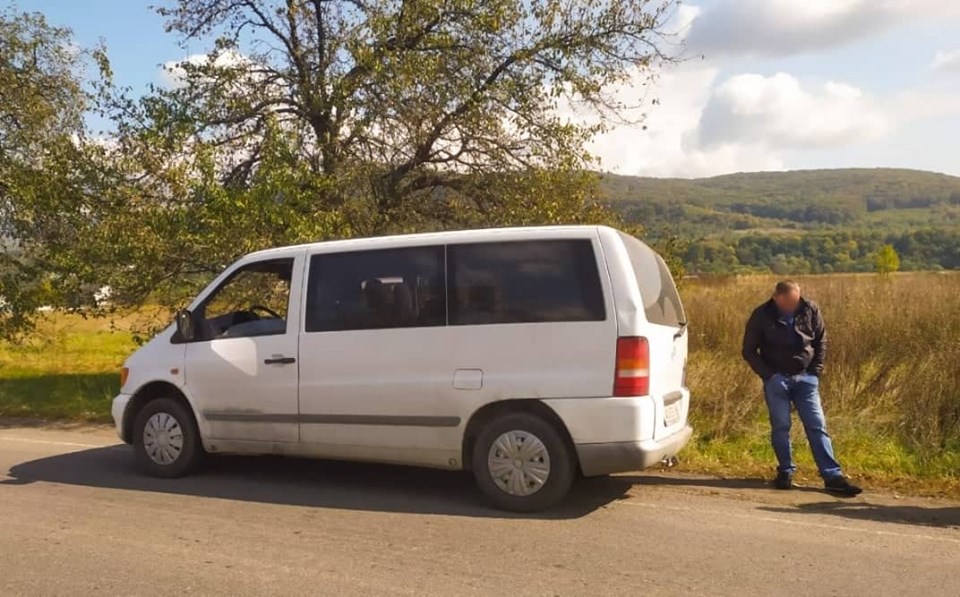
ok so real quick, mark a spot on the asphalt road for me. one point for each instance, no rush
(75, 518)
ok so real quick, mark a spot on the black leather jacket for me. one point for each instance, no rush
(770, 346)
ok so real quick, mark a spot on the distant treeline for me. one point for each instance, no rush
(822, 252)
(799, 222)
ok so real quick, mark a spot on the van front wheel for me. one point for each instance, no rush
(522, 463)
(165, 439)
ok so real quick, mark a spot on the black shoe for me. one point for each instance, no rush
(841, 486)
(784, 480)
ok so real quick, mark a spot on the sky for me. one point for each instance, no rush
(760, 84)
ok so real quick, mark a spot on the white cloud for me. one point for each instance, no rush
(780, 113)
(661, 147)
(935, 9)
(918, 104)
(784, 27)
(678, 26)
(947, 61)
(703, 127)
(172, 72)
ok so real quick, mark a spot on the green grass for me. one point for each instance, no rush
(876, 459)
(81, 397)
(69, 371)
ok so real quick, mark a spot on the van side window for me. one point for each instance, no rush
(524, 282)
(661, 302)
(253, 301)
(367, 290)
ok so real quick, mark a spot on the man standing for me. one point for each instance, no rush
(785, 344)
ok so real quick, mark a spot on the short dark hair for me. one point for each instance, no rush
(785, 287)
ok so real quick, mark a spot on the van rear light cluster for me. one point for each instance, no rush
(632, 376)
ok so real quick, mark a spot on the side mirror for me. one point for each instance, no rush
(186, 325)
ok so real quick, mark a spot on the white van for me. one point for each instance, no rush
(527, 356)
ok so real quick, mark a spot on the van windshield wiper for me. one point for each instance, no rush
(683, 328)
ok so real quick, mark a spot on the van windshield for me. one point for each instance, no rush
(661, 301)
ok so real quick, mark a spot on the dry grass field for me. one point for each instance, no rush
(891, 389)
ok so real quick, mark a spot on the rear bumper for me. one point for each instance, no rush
(621, 457)
(118, 410)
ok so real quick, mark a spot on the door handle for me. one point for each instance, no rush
(280, 361)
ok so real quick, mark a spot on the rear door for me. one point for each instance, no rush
(666, 331)
(532, 317)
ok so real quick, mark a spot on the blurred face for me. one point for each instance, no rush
(787, 302)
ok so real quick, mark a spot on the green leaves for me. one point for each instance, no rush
(45, 156)
(407, 89)
(310, 120)
(886, 260)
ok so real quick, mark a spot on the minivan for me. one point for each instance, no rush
(527, 356)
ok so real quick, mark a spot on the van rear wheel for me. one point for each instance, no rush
(165, 439)
(522, 463)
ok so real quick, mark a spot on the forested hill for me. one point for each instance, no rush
(801, 221)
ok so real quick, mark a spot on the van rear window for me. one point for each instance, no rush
(524, 282)
(661, 301)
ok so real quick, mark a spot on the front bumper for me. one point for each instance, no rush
(621, 457)
(118, 410)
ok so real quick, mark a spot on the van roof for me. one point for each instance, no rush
(377, 242)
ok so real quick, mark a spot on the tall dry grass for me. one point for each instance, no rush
(891, 388)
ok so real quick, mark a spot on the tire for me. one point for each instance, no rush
(508, 489)
(172, 448)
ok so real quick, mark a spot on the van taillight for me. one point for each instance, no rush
(632, 377)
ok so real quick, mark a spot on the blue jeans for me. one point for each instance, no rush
(803, 392)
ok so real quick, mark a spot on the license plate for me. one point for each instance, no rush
(671, 414)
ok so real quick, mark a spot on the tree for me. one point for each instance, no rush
(317, 119)
(43, 156)
(886, 261)
(398, 108)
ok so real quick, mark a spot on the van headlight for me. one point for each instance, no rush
(124, 374)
